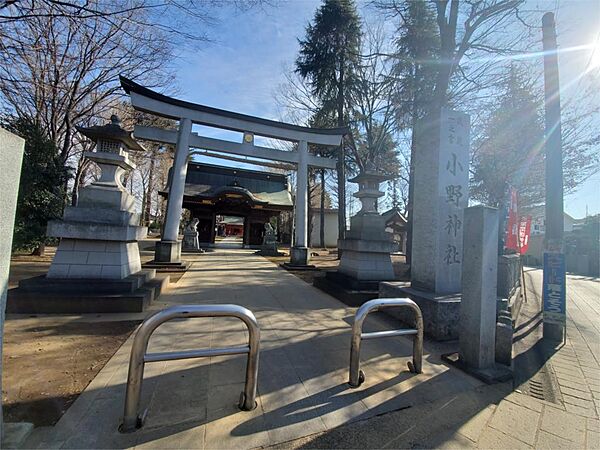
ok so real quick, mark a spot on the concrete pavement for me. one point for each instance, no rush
(304, 401)
(305, 343)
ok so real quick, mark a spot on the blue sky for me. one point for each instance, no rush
(244, 65)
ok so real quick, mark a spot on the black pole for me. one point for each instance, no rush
(553, 240)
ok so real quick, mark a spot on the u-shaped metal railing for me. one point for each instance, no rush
(131, 418)
(356, 376)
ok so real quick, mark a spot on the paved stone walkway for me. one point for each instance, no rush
(304, 401)
(495, 417)
(305, 343)
(576, 365)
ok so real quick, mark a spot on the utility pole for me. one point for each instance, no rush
(554, 288)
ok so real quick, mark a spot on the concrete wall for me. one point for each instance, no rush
(535, 251)
(11, 151)
(509, 275)
(331, 229)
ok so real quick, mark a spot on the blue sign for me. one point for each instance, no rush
(555, 288)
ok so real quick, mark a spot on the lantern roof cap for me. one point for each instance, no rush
(370, 174)
(111, 131)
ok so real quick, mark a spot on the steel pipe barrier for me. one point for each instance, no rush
(131, 419)
(357, 376)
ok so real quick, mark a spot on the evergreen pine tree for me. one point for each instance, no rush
(328, 57)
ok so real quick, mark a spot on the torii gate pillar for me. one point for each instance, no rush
(299, 253)
(168, 250)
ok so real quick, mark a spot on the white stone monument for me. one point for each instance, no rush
(99, 236)
(440, 196)
(441, 177)
(11, 149)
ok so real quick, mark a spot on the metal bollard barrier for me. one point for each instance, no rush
(357, 376)
(131, 419)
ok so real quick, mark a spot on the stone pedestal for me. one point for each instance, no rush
(269, 245)
(99, 236)
(190, 241)
(167, 251)
(299, 256)
(366, 249)
(441, 313)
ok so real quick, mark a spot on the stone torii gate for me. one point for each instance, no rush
(168, 250)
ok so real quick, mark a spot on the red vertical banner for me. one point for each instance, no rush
(512, 225)
(524, 233)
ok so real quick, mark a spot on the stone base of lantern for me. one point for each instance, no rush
(366, 250)
(347, 289)
(43, 295)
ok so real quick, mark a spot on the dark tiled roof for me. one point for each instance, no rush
(206, 181)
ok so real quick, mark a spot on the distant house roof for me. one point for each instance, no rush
(210, 182)
(232, 220)
(394, 215)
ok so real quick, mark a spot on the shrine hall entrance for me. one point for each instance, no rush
(233, 205)
(229, 231)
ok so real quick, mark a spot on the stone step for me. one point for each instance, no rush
(83, 285)
(86, 299)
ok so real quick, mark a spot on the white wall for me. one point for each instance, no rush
(331, 229)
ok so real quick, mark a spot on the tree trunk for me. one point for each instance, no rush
(78, 181)
(148, 205)
(341, 165)
(322, 211)
(411, 188)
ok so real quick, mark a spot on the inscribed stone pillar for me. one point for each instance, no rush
(11, 149)
(440, 195)
(477, 331)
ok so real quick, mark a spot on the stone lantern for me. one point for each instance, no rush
(97, 267)
(368, 190)
(99, 236)
(367, 247)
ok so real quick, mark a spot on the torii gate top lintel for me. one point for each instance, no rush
(147, 100)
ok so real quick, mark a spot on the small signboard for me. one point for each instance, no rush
(555, 288)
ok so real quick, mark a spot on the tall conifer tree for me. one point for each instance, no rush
(416, 54)
(328, 57)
